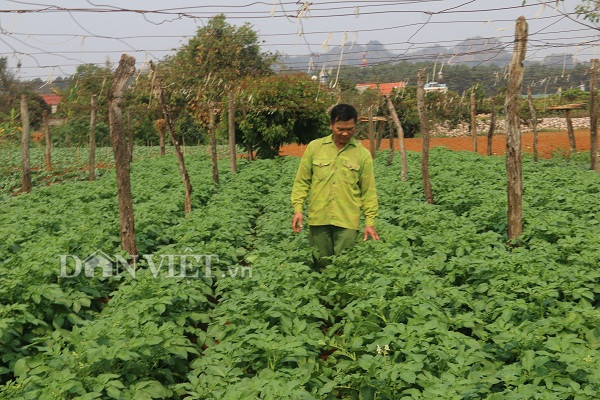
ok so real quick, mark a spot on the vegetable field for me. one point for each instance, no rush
(440, 308)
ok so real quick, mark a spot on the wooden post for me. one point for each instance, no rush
(182, 169)
(474, 120)
(533, 123)
(123, 73)
(231, 126)
(380, 128)
(391, 134)
(400, 137)
(513, 133)
(130, 134)
(594, 115)
(160, 126)
(46, 129)
(490, 135)
(92, 163)
(570, 131)
(424, 136)
(371, 133)
(213, 143)
(25, 167)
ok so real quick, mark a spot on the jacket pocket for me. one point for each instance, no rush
(350, 171)
(321, 169)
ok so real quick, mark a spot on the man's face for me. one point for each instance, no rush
(343, 131)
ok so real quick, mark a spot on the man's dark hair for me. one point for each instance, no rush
(343, 112)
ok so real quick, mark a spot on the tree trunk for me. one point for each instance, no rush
(594, 115)
(123, 73)
(490, 135)
(424, 136)
(380, 129)
(184, 174)
(213, 143)
(46, 129)
(391, 135)
(130, 133)
(25, 168)
(231, 120)
(92, 164)
(400, 137)
(533, 123)
(513, 132)
(250, 152)
(474, 120)
(371, 133)
(570, 131)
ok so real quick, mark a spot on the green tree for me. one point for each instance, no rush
(281, 109)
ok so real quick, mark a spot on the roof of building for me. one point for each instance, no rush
(52, 99)
(384, 88)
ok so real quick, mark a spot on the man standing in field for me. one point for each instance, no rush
(338, 170)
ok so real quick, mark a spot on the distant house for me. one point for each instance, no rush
(435, 87)
(52, 100)
(384, 88)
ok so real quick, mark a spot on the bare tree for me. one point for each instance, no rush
(123, 73)
(92, 164)
(533, 123)
(513, 132)
(424, 136)
(400, 131)
(167, 116)
(371, 133)
(231, 126)
(213, 143)
(46, 129)
(25, 167)
(594, 115)
(490, 135)
(474, 120)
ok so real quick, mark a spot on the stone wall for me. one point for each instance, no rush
(483, 126)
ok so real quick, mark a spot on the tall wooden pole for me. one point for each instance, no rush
(594, 115)
(533, 123)
(231, 121)
(371, 133)
(490, 135)
(400, 131)
(213, 143)
(25, 167)
(424, 136)
(46, 129)
(474, 120)
(390, 158)
(167, 116)
(570, 131)
(513, 133)
(92, 163)
(123, 73)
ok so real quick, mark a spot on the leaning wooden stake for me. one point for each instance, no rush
(391, 134)
(25, 168)
(513, 132)
(213, 143)
(424, 136)
(123, 73)
(490, 135)
(533, 123)
(167, 117)
(46, 129)
(594, 115)
(570, 131)
(474, 120)
(371, 133)
(92, 163)
(231, 125)
(400, 137)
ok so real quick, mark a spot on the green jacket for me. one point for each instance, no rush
(340, 183)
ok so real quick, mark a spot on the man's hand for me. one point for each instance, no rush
(370, 231)
(297, 222)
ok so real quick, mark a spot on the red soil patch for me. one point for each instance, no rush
(548, 142)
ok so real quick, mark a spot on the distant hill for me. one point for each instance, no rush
(473, 51)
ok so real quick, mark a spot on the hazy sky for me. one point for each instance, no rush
(54, 40)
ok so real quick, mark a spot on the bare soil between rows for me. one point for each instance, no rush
(548, 143)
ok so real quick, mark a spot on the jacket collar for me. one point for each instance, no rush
(329, 139)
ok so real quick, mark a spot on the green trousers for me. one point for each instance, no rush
(329, 240)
